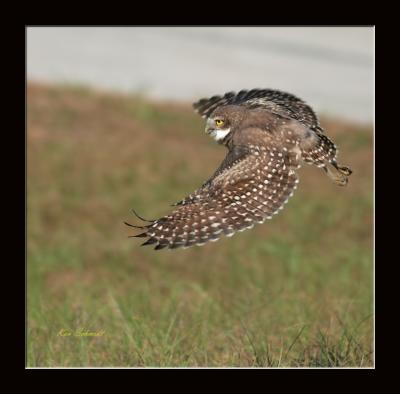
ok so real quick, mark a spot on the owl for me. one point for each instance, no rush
(269, 134)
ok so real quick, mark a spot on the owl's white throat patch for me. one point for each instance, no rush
(220, 134)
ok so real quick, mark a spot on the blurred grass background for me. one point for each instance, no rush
(295, 291)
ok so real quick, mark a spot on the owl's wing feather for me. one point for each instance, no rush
(274, 101)
(237, 153)
(246, 189)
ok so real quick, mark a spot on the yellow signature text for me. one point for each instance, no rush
(81, 332)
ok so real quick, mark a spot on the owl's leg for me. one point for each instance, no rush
(339, 174)
(342, 169)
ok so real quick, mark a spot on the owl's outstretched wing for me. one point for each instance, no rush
(274, 101)
(248, 188)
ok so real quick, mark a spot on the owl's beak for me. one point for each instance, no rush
(210, 126)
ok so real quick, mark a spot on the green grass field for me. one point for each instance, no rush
(296, 291)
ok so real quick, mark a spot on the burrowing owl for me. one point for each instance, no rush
(269, 134)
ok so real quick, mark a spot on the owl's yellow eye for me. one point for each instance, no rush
(219, 122)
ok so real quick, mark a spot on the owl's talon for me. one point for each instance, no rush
(345, 170)
(337, 173)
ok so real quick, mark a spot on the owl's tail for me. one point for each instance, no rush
(338, 173)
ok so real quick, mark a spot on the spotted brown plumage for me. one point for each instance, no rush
(268, 134)
(275, 101)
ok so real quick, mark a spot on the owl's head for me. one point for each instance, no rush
(224, 120)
